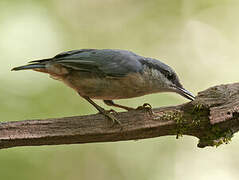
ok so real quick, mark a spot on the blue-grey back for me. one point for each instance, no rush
(107, 61)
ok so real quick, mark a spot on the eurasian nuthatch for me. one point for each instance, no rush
(108, 74)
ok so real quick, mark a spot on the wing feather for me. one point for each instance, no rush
(106, 61)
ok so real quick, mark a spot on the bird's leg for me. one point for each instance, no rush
(146, 106)
(108, 113)
(111, 103)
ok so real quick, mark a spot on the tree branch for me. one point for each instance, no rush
(213, 117)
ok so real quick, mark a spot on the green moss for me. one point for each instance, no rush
(216, 137)
(177, 116)
(198, 107)
(224, 139)
(198, 114)
(192, 120)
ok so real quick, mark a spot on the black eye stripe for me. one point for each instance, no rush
(169, 75)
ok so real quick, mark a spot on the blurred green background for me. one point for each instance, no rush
(199, 39)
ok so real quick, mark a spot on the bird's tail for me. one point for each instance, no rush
(30, 66)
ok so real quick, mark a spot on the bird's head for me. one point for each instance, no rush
(172, 84)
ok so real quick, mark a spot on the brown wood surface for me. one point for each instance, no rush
(212, 117)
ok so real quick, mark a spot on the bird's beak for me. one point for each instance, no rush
(185, 93)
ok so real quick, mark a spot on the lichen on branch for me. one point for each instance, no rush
(213, 117)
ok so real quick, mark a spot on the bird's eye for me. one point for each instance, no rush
(170, 76)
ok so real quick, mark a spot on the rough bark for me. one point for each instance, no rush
(212, 117)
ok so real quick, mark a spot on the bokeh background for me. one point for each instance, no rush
(199, 39)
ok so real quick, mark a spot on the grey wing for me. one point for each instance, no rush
(108, 62)
(62, 56)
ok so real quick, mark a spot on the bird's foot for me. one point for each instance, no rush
(146, 107)
(110, 114)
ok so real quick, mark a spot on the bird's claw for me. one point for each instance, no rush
(112, 111)
(146, 107)
(110, 115)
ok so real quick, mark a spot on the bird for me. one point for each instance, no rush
(110, 74)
